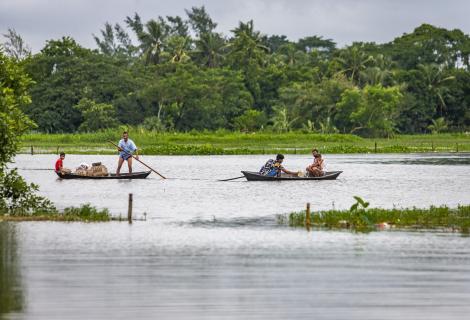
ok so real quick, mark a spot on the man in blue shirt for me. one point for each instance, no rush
(126, 149)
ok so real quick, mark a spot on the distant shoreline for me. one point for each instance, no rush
(228, 143)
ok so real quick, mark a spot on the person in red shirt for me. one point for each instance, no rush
(59, 165)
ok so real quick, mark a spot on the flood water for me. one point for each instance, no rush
(213, 250)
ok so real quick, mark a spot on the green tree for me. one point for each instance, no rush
(372, 111)
(115, 41)
(96, 116)
(248, 54)
(428, 44)
(209, 50)
(282, 121)
(15, 46)
(16, 196)
(200, 21)
(251, 120)
(352, 61)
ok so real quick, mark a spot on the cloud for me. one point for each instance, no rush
(344, 21)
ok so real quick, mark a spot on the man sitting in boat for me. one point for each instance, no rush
(273, 168)
(316, 168)
(126, 148)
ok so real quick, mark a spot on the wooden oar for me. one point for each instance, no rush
(137, 159)
(233, 178)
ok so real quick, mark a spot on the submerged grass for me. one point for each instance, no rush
(445, 218)
(84, 213)
(224, 142)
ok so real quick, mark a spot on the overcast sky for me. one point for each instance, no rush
(343, 21)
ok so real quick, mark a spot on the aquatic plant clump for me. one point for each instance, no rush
(362, 219)
(84, 213)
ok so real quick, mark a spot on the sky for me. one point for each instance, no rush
(344, 21)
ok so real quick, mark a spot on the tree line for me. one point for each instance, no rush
(179, 74)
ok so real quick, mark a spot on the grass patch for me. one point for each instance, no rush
(444, 218)
(224, 142)
(84, 213)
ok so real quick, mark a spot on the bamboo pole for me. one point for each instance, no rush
(307, 217)
(129, 209)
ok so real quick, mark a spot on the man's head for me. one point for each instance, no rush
(62, 155)
(317, 156)
(125, 135)
(314, 151)
(280, 157)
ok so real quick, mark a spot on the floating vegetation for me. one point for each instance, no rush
(364, 219)
(228, 143)
(84, 213)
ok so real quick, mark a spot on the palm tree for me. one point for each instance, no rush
(435, 79)
(438, 125)
(178, 48)
(246, 47)
(151, 36)
(291, 54)
(379, 73)
(209, 49)
(352, 61)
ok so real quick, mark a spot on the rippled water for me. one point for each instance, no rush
(212, 250)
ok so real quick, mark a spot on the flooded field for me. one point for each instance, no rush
(213, 250)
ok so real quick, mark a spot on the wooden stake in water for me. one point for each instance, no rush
(307, 216)
(129, 209)
(32, 151)
(375, 147)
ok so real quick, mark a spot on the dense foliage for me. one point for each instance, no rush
(16, 196)
(181, 75)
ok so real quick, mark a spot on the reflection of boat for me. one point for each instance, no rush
(255, 176)
(133, 175)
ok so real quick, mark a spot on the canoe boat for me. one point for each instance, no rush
(255, 176)
(133, 175)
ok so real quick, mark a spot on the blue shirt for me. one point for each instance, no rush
(127, 147)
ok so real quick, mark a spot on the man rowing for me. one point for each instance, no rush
(273, 168)
(126, 149)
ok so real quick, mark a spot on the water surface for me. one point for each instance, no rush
(213, 250)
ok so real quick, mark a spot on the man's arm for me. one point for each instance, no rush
(287, 171)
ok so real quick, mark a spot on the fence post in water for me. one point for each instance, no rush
(432, 145)
(129, 209)
(375, 146)
(307, 217)
(456, 147)
(32, 151)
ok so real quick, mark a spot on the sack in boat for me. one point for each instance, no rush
(81, 172)
(98, 170)
(301, 174)
(65, 171)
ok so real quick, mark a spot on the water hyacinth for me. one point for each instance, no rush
(362, 219)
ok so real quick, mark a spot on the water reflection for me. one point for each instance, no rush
(11, 291)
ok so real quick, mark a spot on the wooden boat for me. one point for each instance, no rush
(133, 175)
(255, 176)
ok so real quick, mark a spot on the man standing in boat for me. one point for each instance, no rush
(126, 149)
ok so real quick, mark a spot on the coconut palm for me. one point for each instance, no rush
(435, 80)
(210, 49)
(246, 47)
(352, 61)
